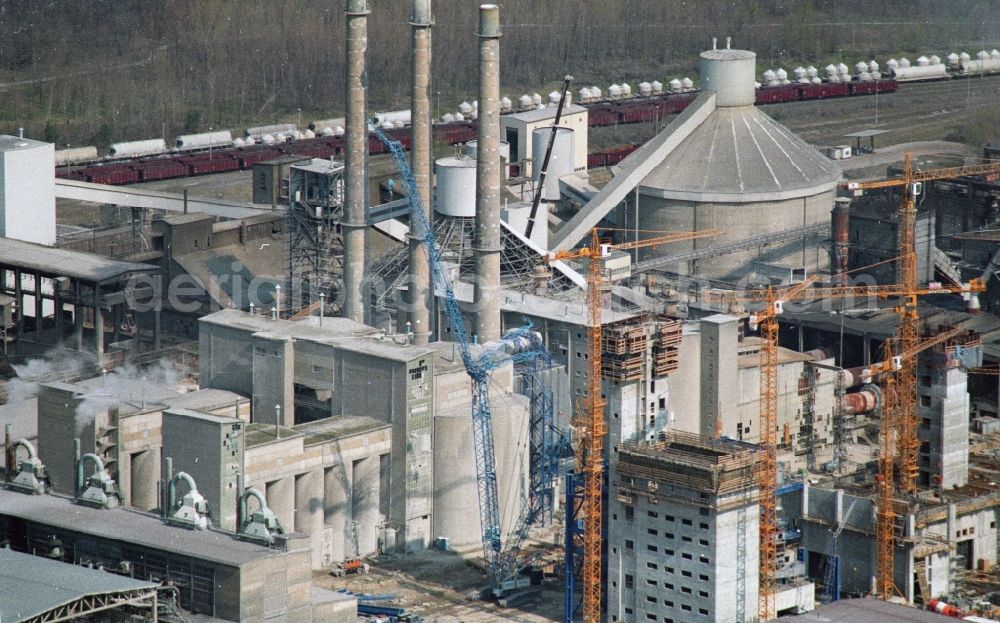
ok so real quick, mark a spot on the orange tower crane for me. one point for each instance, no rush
(773, 300)
(908, 332)
(589, 421)
(885, 516)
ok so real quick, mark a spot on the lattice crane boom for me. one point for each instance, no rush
(908, 331)
(589, 421)
(520, 343)
(773, 300)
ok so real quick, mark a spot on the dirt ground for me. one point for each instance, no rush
(438, 586)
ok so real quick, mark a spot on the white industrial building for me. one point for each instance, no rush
(27, 190)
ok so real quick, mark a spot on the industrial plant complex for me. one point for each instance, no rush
(470, 367)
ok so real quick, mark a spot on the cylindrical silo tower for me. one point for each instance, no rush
(739, 171)
(560, 162)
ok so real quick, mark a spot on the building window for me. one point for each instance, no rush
(686, 574)
(925, 401)
(651, 599)
(651, 531)
(650, 616)
(668, 569)
(686, 590)
(703, 612)
(628, 610)
(686, 522)
(704, 513)
(685, 608)
(668, 552)
(651, 548)
(668, 517)
(686, 539)
(651, 582)
(652, 514)
(703, 560)
(703, 542)
(668, 603)
(629, 581)
(703, 594)
(629, 513)
(668, 535)
(668, 586)
(651, 565)
(703, 577)
(629, 544)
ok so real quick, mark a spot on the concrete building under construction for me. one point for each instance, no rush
(355, 382)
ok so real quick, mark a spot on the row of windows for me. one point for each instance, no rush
(630, 579)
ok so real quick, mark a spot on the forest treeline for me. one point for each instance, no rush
(94, 71)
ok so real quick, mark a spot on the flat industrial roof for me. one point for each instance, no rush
(14, 143)
(32, 585)
(65, 263)
(338, 427)
(869, 610)
(341, 333)
(131, 526)
(865, 133)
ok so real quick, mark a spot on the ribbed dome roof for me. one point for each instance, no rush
(740, 155)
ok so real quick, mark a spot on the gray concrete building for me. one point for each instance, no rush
(683, 531)
(316, 369)
(216, 574)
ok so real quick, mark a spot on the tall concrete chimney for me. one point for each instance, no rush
(419, 292)
(487, 286)
(355, 162)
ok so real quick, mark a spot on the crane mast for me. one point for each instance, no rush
(589, 422)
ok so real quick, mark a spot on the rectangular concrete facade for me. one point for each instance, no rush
(210, 449)
(27, 190)
(340, 368)
(935, 540)
(943, 412)
(682, 531)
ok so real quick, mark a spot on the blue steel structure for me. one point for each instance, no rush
(831, 575)
(522, 347)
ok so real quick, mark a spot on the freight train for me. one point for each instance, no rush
(218, 152)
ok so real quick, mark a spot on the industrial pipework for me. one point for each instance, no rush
(418, 289)
(841, 237)
(97, 490)
(262, 525)
(487, 247)
(29, 473)
(192, 512)
(355, 224)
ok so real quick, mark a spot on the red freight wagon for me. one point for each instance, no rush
(824, 90)
(220, 164)
(152, 171)
(778, 94)
(600, 115)
(676, 103)
(113, 174)
(597, 160)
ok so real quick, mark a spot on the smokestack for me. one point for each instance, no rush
(8, 456)
(419, 293)
(841, 219)
(355, 161)
(487, 286)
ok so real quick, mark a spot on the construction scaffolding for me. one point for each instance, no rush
(723, 468)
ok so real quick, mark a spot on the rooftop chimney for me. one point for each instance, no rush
(355, 161)
(419, 297)
(487, 247)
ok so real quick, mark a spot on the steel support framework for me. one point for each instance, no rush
(885, 517)
(591, 422)
(909, 337)
(315, 244)
(92, 604)
(768, 472)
